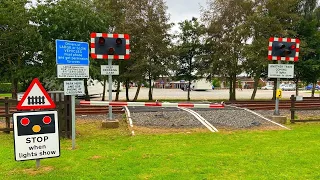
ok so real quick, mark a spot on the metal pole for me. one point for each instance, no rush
(37, 163)
(276, 111)
(73, 111)
(110, 90)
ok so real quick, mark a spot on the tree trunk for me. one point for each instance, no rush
(313, 88)
(14, 87)
(274, 89)
(14, 81)
(118, 91)
(234, 80)
(230, 89)
(127, 89)
(190, 74)
(137, 92)
(150, 89)
(255, 86)
(297, 89)
(86, 96)
(104, 88)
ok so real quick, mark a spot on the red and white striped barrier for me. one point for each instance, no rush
(151, 104)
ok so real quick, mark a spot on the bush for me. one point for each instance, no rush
(216, 82)
(6, 88)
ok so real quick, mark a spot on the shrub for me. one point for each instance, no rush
(6, 88)
(216, 82)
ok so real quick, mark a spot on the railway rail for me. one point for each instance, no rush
(81, 110)
(270, 104)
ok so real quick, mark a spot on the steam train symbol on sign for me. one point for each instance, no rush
(35, 124)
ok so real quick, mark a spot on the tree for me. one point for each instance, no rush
(68, 20)
(266, 21)
(307, 69)
(225, 38)
(189, 46)
(147, 23)
(19, 43)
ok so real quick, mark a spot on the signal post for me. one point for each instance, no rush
(282, 49)
(110, 47)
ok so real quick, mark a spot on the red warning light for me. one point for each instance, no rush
(101, 41)
(118, 41)
(293, 47)
(46, 120)
(111, 51)
(25, 121)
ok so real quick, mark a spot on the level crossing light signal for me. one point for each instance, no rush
(285, 49)
(110, 46)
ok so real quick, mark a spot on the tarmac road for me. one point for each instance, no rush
(201, 95)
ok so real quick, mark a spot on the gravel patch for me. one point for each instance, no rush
(228, 118)
(220, 118)
(166, 119)
(234, 118)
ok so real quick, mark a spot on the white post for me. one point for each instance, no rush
(37, 163)
(110, 90)
(276, 111)
(73, 111)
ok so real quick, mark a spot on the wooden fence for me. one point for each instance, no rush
(63, 106)
(7, 115)
(293, 109)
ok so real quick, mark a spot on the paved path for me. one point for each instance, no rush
(201, 95)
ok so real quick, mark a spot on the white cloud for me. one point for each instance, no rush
(181, 10)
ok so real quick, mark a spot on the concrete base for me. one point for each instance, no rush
(110, 124)
(279, 119)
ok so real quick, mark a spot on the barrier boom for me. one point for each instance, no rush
(150, 104)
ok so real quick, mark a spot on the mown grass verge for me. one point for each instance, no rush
(2, 95)
(115, 154)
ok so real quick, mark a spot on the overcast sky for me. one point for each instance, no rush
(180, 10)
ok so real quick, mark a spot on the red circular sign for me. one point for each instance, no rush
(46, 120)
(25, 121)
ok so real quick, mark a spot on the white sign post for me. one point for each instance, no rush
(36, 135)
(280, 70)
(72, 58)
(73, 88)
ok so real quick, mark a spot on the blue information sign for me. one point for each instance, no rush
(72, 52)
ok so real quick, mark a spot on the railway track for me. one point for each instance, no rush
(249, 104)
(80, 110)
(270, 104)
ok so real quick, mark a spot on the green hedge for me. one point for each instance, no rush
(6, 88)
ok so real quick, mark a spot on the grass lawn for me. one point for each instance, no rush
(5, 95)
(114, 154)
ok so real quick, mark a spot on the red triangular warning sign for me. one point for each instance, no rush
(36, 97)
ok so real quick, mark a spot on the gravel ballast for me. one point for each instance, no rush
(234, 118)
(228, 118)
(173, 119)
(220, 118)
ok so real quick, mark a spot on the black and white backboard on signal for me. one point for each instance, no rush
(36, 135)
(283, 49)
